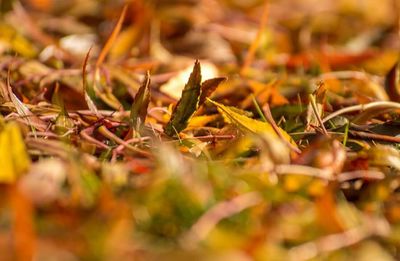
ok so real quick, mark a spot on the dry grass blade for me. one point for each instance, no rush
(88, 100)
(108, 134)
(23, 111)
(303, 170)
(86, 134)
(316, 114)
(378, 107)
(256, 42)
(270, 119)
(111, 39)
(374, 136)
(360, 174)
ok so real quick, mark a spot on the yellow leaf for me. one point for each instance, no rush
(11, 39)
(124, 42)
(231, 115)
(201, 121)
(14, 159)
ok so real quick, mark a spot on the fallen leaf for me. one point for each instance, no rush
(232, 116)
(188, 103)
(208, 87)
(140, 104)
(14, 159)
(174, 86)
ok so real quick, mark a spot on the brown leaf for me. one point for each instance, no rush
(141, 103)
(392, 83)
(208, 87)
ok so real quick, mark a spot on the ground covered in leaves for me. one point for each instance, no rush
(199, 129)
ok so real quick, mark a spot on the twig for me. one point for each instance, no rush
(260, 112)
(85, 134)
(363, 107)
(108, 134)
(212, 137)
(358, 174)
(254, 45)
(111, 39)
(293, 169)
(374, 136)
(213, 216)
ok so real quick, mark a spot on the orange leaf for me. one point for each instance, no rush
(23, 227)
(326, 212)
(112, 38)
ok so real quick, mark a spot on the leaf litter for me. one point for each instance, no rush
(211, 130)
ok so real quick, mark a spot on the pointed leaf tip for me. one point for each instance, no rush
(208, 87)
(188, 103)
(141, 103)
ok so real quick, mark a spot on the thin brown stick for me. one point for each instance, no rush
(363, 107)
(112, 38)
(374, 136)
(360, 174)
(254, 45)
(108, 134)
(303, 170)
(270, 119)
(85, 134)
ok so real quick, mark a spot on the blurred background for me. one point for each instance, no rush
(218, 30)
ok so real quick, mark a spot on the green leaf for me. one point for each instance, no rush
(140, 104)
(14, 159)
(188, 103)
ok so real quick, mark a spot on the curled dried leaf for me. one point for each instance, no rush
(392, 83)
